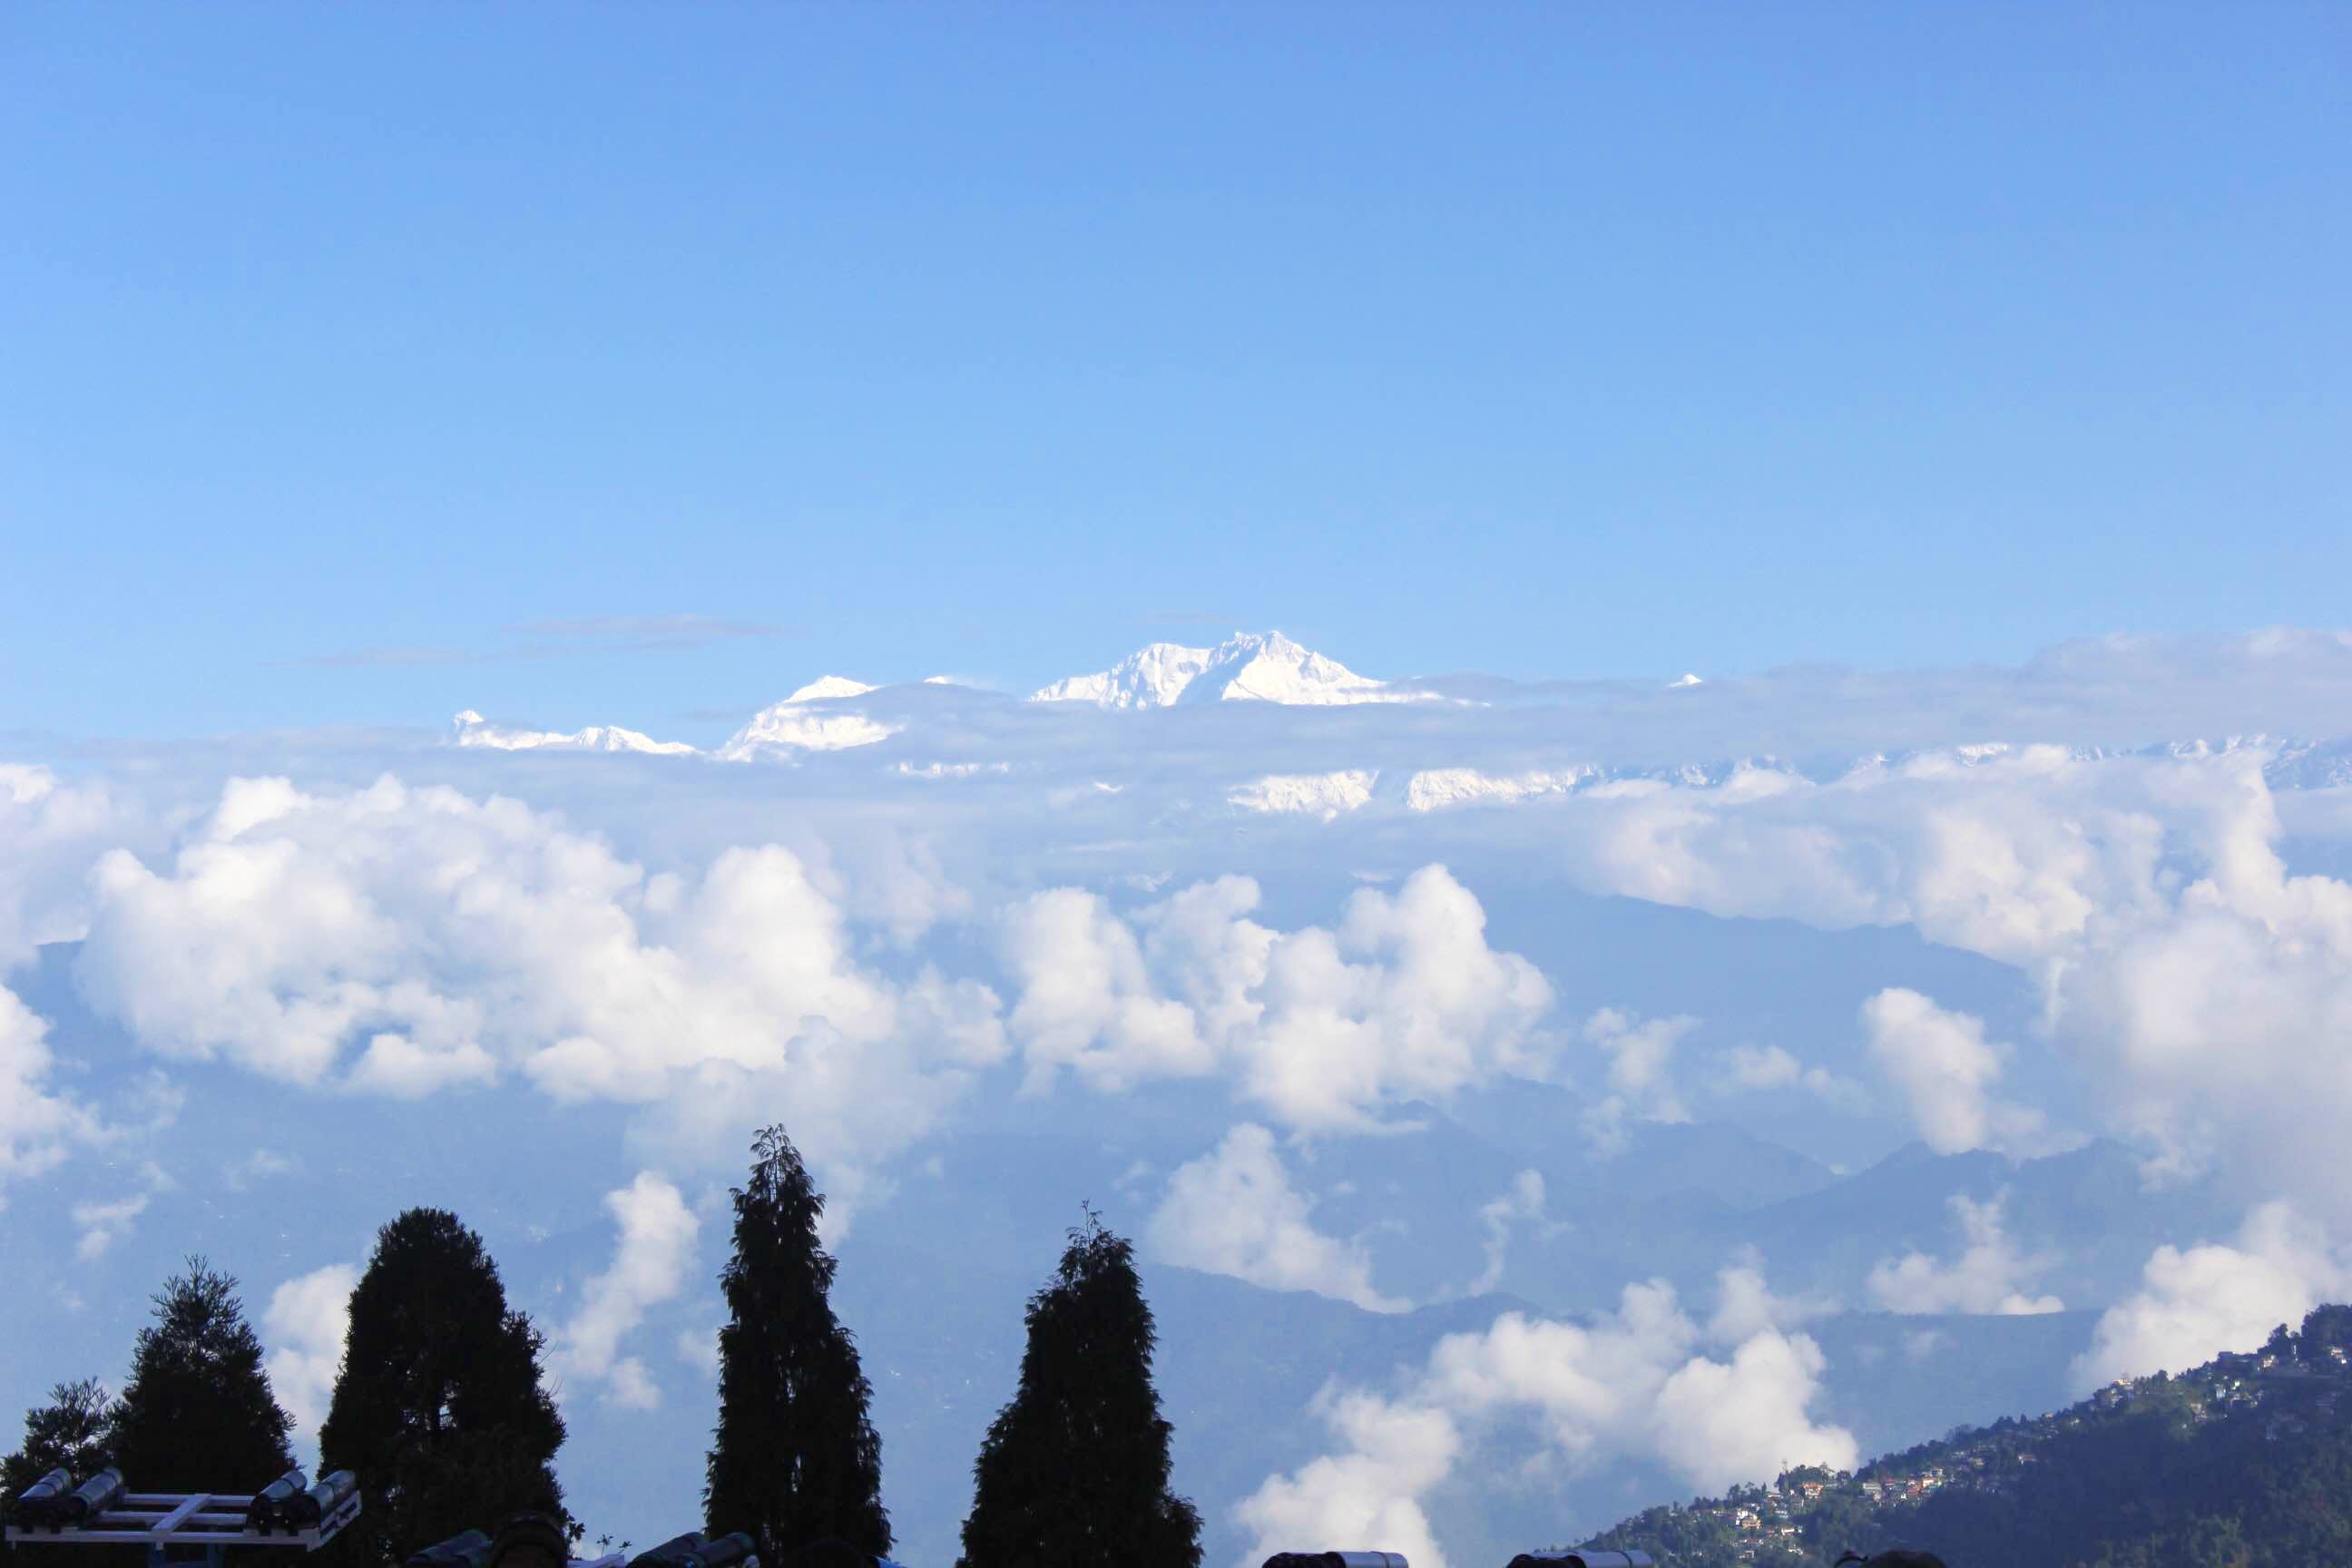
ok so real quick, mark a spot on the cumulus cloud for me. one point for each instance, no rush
(102, 1225)
(651, 1259)
(37, 1128)
(1640, 1074)
(1523, 1203)
(1641, 1380)
(304, 1327)
(2196, 1302)
(401, 942)
(50, 829)
(1945, 1069)
(1321, 1027)
(1234, 1212)
(1389, 1455)
(2145, 897)
(1751, 1067)
(1991, 1274)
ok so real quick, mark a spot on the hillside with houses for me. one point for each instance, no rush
(2244, 1462)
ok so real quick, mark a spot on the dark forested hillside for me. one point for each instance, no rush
(2245, 1462)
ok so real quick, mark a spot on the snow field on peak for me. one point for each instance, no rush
(1326, 795)
(1248, 666)
(470, 729)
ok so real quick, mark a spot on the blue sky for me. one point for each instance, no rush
(1540, 340)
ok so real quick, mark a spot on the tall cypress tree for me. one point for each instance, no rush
(197, 1414)
(1073, 1471)
(794, 1458)
(438, 1407)
(71, 1432)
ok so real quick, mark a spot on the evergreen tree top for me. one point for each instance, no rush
(777, 1212)
(1074, 1469)
(198, 1412)
(440, 1406)
(794, 1457)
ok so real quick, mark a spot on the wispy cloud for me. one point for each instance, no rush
(394, 658)
(560, 639)
(653, 631)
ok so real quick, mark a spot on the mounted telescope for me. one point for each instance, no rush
(103, 1511)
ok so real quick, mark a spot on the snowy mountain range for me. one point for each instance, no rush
(1248, 666)
(835, 713)
(470, 729)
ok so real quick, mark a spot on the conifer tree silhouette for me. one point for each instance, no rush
(1073, 1471)
(794, 1458)
(796, 1455)
(73, 1433)
(439, 1407)
(197, 1414)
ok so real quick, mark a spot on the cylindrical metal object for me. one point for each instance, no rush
(44, 1502)
(468, 1548)
(670, 1554)
(94, 1496)
(1337, 1560)
(531, 1539)
(308, 1507)
(728, 1550)
(267, 1509)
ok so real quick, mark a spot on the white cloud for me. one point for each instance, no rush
(50, 830)
(1990, 1275)
(467, 940)
(700, 1349)
(1524, 1202)
(1234, 1212)
(2195, 1303)
(2177, 960)
(1638, 1381)
(1945, 1070)
(1640, 1074)
(651, 1259)
(1367, 1492)
(1321, 1027)
(37, 1128)
(304, 1327)
(1752, 1067)
(104, 1224)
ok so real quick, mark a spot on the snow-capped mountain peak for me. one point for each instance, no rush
(792, 725)
(1259, 667)
(1153, 676)
(470, 729)
(825, 687)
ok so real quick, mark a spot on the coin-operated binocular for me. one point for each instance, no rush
(1337, 1560)
(694, 1550)
(466, 1549)
(80, 1508)
(1588, 1558)
(42, 1505)
(267, 1511)
(322, 1499)
(835, 1552)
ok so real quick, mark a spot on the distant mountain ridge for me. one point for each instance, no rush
(1269, 670)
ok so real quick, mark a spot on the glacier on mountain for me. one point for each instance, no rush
(1323, 795)
(1434, 789)
(470, 729)
(807, 721)
(1248, 666)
